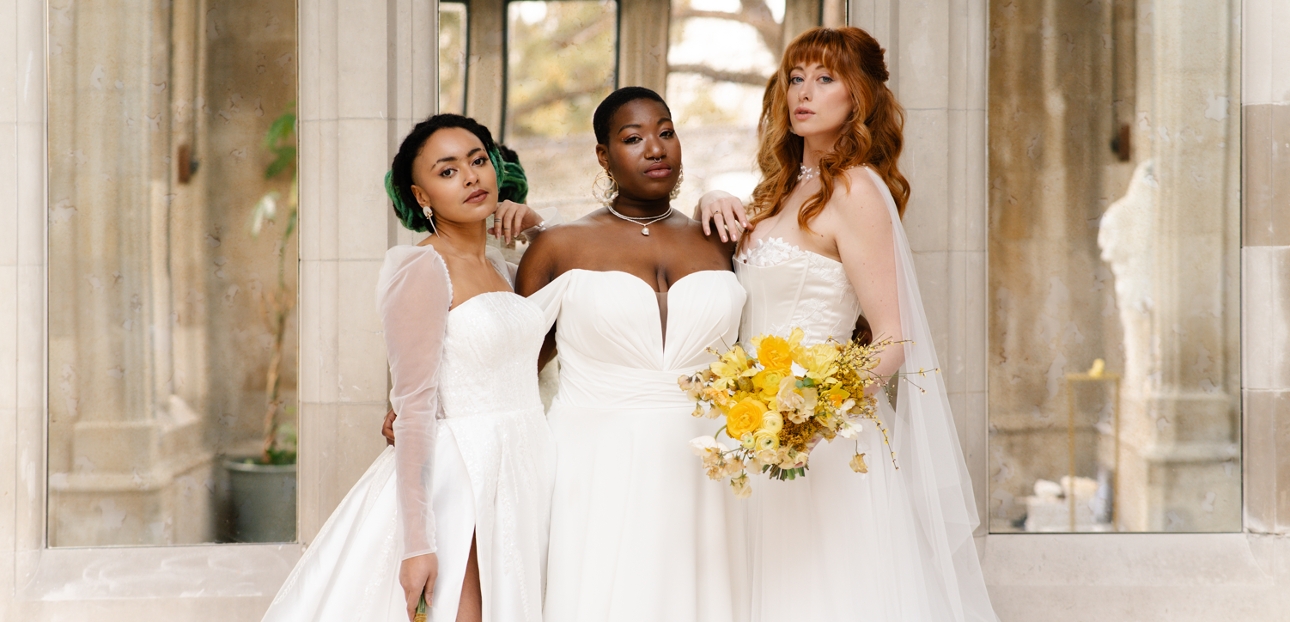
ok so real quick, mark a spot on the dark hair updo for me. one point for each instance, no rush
(616, 100)
(512, 185)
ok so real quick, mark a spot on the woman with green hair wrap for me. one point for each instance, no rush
(454, 520)
(512, 183)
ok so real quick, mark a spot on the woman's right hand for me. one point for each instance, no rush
(724, 212)
(417, 576)
(387, 427)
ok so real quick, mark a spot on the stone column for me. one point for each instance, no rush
(642, 43)
(1184, 445)
(127, 450)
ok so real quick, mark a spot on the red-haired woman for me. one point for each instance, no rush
(825, 245)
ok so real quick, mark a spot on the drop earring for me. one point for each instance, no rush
(429, 214)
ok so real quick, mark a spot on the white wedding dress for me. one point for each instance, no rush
(892, 545)
(638, 533)
(473, 455)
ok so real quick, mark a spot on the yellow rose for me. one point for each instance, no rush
(744, 417)
(771, 423)
(768, 380)
(774, 352)
(766, 441)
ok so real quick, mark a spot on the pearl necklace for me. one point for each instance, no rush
(643, 221)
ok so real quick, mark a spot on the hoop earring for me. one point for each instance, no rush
(676, 190)
(604, 189)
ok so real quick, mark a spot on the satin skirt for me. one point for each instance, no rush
(638, 532)
(492, 479)
(839, 546)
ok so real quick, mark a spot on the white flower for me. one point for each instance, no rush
(741, 487)
(703, 445)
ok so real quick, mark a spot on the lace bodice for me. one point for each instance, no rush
(789, 287)
(490, 356)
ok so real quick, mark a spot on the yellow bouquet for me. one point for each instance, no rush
(781, 403)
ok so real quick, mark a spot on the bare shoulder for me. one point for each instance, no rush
(859, 199)
(560, 236)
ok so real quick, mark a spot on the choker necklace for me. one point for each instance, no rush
(807, 173)
(643, 221)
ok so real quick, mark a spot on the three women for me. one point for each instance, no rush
(636, 295)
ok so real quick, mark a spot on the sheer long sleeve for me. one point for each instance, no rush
(414, 297)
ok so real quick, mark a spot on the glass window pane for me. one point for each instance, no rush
(721, 53)
(1114, 267)
(561, 58)
(172, 272)
(453, 33)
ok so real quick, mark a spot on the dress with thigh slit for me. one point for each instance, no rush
(474, 456)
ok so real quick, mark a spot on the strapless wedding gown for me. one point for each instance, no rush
(836, 546)
(493, 467)
(638, 533)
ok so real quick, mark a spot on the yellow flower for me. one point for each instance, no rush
(818, 360)
(771, 423)
(766, 441)
(744, 417)
(836, 397)
(729, 367)
(776, 352)
(858, 465)
(768, 380)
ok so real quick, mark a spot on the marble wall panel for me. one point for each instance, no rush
(359, 442)
(877, 18)
(8, 63)
(361, 368)
(29, 74)
(316, 468)
(319, 206)
(30, 155)
(362, 53)
(923, 54)
(932, 268)
(1271, 20)
(362, 207)
(925, 163)
(318, 345)
(1266, 172)
(1266, 317)
(8, 194)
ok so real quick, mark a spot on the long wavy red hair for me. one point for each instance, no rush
(872, 134)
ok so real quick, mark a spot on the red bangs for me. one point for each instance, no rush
(821, 46)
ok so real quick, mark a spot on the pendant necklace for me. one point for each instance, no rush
(643, 221)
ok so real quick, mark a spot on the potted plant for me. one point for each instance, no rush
(262, 488)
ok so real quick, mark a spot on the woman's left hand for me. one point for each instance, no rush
(512, 218)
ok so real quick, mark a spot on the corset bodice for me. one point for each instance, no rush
(793, 288)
